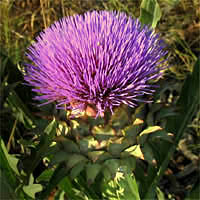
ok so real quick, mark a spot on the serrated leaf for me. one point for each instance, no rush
(59, 157)
(107, 173)
(66, 185)
(113, 165)
(104, 156)
(118, 146)
(92, 171)
(88, 143)
(76, 170)
(59, 173)
(150, 12)
(129, 163)
(67, 145)
(75, 159)
(133, 130)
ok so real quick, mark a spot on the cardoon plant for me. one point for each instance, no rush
(95, 63)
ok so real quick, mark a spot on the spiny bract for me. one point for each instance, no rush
(101, 58)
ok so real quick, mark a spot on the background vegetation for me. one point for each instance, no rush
(29, 165)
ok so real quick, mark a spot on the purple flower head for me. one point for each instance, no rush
(103, 59)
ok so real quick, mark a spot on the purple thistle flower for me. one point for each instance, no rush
(103, 59)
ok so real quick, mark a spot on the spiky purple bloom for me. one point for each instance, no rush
(103, 59)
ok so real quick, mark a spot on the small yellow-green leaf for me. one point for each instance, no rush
(103, 133)
(45, 175)
(151, 129)
(94, 155)
(135, 151)
(32, 189)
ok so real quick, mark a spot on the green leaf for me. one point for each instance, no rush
(88, 143)
(8, 160)
(113, 165)
(59, 173)
(135, 151)
(32, 189)
(103, 133)
(150, 12)
(187, 104)
(118, 146)
(76, 170)
(67, 186)
(45, 175)
(107, 173)
(145, 134)
(75, 159)
(129, 163)
(23, 111)
(89, 191)
(42, 147)
(148, 154)
(59, 157)
(130, 187)
(94, 155)
(120, 118)
(92, 171)
(103, 157)
(50, 129)
(161, 135)
(67, 144)
(7, 190)
(166, 112)
(151, 129)
(133, 186)
(160, 194)
(133, 130)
